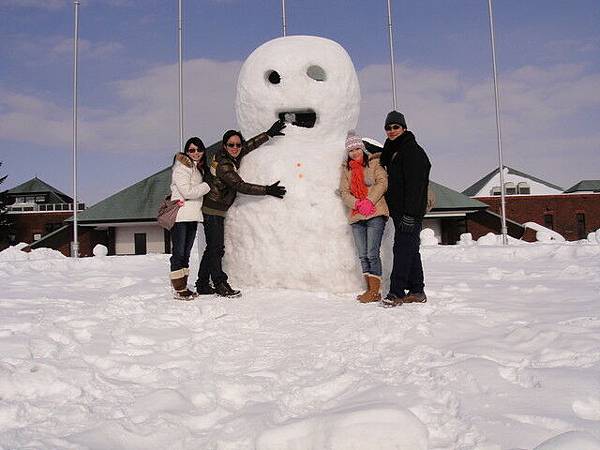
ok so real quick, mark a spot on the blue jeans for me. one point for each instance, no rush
(367, 237)
(182, 237)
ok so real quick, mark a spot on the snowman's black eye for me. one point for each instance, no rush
(273, 77)
(317, 73)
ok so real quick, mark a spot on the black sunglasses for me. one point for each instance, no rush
(391, 127)
(194, 150)
(233, 145)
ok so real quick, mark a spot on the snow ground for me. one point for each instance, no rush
(95, 354)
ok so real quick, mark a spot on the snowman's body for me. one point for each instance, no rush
(303, 241)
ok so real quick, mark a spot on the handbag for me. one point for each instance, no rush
(167, 213)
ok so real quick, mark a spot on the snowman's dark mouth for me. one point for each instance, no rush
(301, 118)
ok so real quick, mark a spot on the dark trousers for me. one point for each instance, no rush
(407, 270)
(182, 238)
(211, 265)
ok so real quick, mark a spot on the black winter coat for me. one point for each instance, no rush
(225, 182)
(408, 169)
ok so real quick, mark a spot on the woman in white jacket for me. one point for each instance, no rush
(188, 187)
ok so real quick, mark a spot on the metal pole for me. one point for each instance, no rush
(283, 18)
(75, 243)
(180, 45)
(392, 65)
(498, 129)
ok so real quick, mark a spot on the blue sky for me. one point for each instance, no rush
(548, 60)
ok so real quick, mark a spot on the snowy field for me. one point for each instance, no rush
(95, 354)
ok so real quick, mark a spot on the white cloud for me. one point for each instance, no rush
(547, 130)
(543, 111)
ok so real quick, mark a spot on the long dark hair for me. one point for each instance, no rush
(196, 141)
(365, 161)
(229, 133)
(203, 164)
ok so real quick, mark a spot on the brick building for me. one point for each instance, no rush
(36, 209)
(573, 213)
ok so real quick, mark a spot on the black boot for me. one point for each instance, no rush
(205, 289)
(224, 290)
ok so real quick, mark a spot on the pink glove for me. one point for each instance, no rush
(365, 207)
(180, 202)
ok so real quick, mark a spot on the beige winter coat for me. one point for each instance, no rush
(187, 185)
(376, 180)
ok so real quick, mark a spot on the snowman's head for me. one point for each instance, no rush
(308, 81)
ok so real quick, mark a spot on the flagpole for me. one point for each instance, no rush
(180, 63)
(498, 128)
(75, 243)
(283, 18)
(391, 42)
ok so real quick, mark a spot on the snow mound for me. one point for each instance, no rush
(466, 240)
(100, 250)
(374, 428)
(15, 253)
(496, 239)
(572, 440)
(428, 237)
(544, 234)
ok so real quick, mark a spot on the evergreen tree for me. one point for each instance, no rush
(5, 222)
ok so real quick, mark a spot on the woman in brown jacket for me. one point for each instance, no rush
(362, 184)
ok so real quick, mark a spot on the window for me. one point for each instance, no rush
(496, 190)
(580, 219)
(20, 200)
(523, 188)
(510, 188)
(549, 221)
(40, 199)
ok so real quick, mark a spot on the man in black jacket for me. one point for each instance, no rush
(408, 169)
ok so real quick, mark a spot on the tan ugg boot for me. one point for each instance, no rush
(373, 294)
(364, 294)
(179, 283)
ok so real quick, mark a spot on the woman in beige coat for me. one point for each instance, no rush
(362, 184)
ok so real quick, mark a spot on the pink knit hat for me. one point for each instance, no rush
(353, 141)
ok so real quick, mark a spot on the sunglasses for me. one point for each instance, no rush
(194, 150)
(233, 145)
(391, 127)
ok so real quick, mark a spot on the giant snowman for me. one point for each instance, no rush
(303, 241)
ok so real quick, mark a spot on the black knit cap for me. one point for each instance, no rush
(395, 117)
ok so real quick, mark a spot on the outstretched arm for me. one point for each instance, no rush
(228, 174)
(258, 140)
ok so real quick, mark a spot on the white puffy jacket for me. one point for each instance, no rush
(187, 185)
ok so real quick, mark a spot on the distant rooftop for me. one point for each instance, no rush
(585, 186)
(476, 188)
(37, 186)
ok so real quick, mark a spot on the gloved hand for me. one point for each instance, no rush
(365, 207)
(180, 202)
(275, 190)
(407, 223)
(276, 128)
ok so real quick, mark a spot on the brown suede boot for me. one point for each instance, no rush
(366, 293)
(373, 294)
